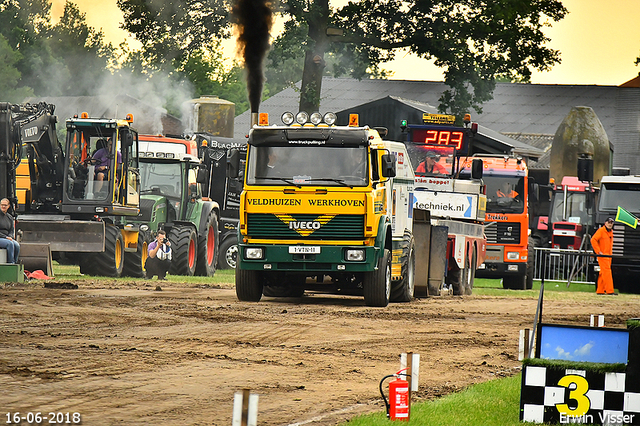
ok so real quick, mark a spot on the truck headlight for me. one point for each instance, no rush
(355, 255)
(513, 255)
(254, 253)
(512, 268)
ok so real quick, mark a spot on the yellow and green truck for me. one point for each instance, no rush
(326, 207)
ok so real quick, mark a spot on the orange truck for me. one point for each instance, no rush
(507, 221)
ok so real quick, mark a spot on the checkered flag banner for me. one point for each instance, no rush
(562, 395)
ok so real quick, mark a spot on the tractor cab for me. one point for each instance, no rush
(102, 176)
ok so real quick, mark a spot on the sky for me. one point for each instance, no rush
(598, 44)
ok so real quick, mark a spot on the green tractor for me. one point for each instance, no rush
(171, 199)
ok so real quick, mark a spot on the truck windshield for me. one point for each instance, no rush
(161, 179)
(625, 195)
(308, 166)
(505, 194)
(431, 160)
(576, 208)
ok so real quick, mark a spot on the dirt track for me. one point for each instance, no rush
(130, 354)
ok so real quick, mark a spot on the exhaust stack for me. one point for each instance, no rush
(254, 119)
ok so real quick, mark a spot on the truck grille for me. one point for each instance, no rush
(503, 233)
(565, 226)
(341, 227)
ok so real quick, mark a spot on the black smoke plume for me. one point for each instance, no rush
(253, 19)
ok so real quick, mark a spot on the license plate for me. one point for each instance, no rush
(304, 249)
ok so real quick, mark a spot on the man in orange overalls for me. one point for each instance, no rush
(602, 243)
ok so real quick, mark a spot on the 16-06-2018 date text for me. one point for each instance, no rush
(46, 418)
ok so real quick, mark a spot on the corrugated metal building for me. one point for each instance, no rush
(527, 113)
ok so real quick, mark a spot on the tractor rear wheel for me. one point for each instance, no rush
(208, 247)
(184, 246)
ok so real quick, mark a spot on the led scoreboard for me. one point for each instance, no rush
(438, 129)
(440, 136)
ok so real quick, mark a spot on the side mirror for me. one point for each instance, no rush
(534, 191)
(201, 176)
(388, 165)
(127, 140)
(233, 163)
(477, 167)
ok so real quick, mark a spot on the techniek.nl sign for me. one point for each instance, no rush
(461, 206)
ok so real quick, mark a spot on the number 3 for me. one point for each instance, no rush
(578, 394)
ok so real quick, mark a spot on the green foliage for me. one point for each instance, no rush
(168, 31)
(68, 58)
(10, 74)
(209, 76)
(473, 41)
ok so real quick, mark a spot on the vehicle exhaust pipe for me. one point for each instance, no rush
(254, 119)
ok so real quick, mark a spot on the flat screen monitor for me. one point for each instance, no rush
(583, 344)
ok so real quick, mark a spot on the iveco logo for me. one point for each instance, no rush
(305, 225)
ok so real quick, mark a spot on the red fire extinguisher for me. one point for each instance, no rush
(398, 403)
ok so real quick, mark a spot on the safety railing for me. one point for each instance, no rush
(561, 265)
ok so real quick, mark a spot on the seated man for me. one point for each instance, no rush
(159, 259)
(102, 159)
(506, 191)
(430, 165)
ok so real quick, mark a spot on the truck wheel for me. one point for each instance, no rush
(471, 274)
(134, 262)
(208, 247)
(248, 285)
(460, 277)
(377, 283)
(402, 291)
(228, 257)
(110, 262)
(184, 246)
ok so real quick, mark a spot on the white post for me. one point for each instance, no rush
(415, 369)
(592, 321)
(523, 344)
(245, 409)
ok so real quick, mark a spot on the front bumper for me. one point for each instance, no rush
(330, 258)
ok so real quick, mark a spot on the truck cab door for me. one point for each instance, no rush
(129, 194)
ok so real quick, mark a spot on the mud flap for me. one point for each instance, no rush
(64, 235)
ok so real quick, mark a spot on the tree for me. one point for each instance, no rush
(68, 58)
(82, 50)
(473, 40)
(10, 74)
(168, 31)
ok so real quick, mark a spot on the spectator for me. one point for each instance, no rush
(602, 243)
(159, 259)
(8, 232)
(430, 165)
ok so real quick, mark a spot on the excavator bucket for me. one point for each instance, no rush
(64, 235)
